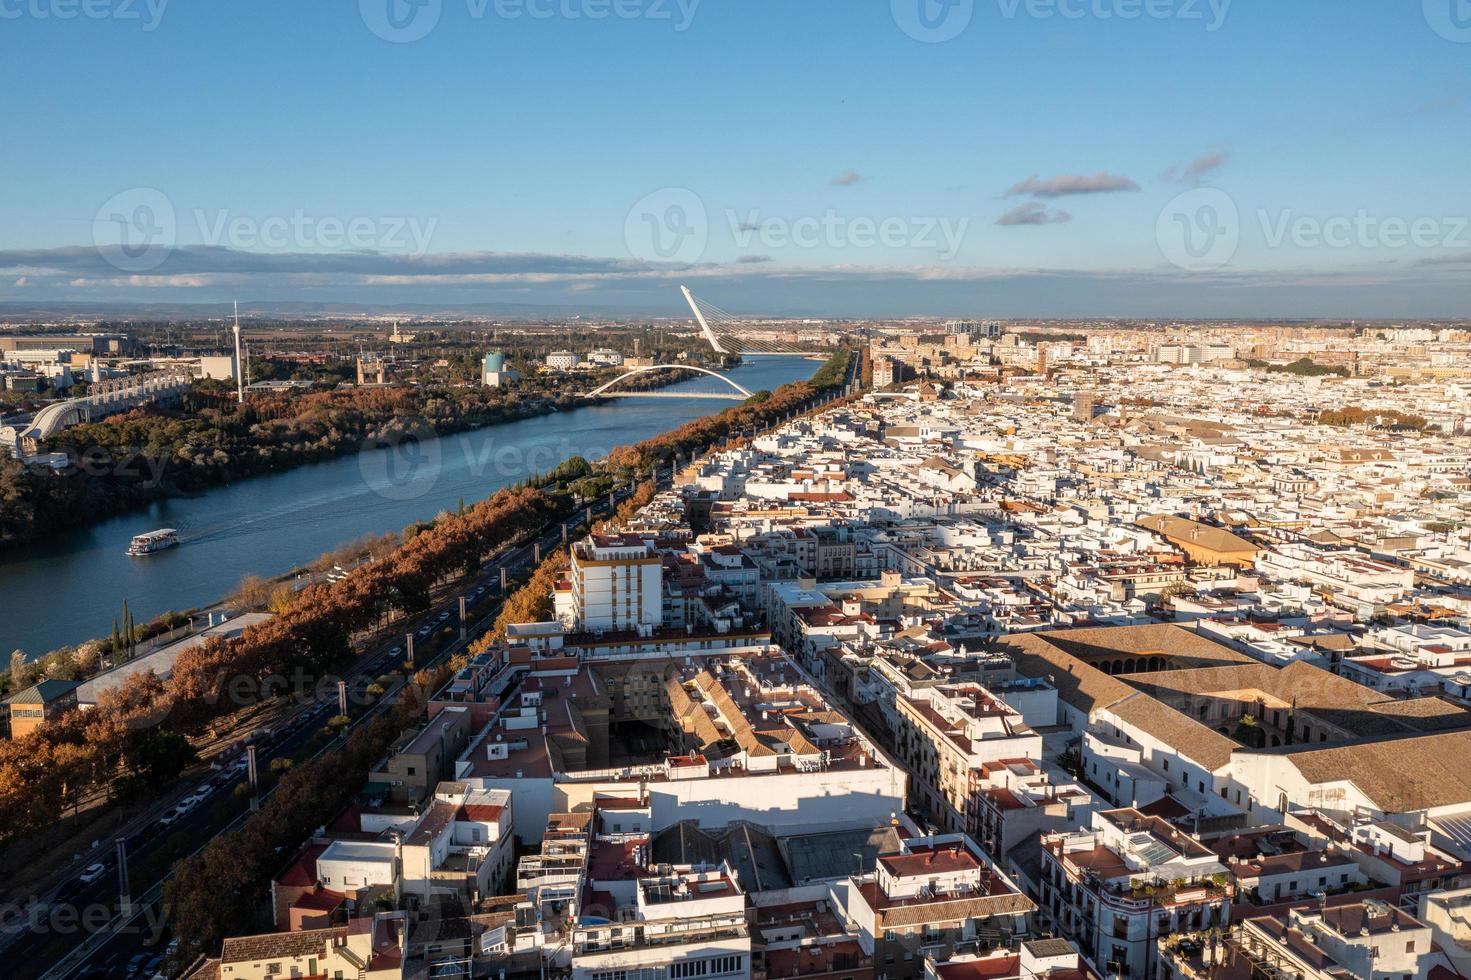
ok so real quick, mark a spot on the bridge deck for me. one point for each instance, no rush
(672, 394)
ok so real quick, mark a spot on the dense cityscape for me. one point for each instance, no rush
(994, 649)
(749, 490)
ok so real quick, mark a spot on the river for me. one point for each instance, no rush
(71, 587)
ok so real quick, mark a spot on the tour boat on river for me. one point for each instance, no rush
(147, 544)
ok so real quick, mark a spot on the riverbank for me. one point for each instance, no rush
(127, 462)
(313, 634)
(72, 584)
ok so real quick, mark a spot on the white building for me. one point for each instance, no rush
(617, 584)
(686, 924)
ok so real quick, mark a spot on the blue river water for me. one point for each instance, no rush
(71, 588)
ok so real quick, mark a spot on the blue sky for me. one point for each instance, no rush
(1049, 158)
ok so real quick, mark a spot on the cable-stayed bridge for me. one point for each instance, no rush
(729, 334)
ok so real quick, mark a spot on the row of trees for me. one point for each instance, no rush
(1303, 367)
(1354, 415)
(224, 888)
(240, 865)
(532, 602)
(760, 410)
(81, 751)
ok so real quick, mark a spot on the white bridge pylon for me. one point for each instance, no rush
(728, 334)
(738, 393)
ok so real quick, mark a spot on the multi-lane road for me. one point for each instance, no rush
(74, 931)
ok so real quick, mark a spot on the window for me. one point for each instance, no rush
(1410, 946)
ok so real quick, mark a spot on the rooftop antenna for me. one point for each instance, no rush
(239, 370)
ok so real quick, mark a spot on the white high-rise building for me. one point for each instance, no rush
(617, 583)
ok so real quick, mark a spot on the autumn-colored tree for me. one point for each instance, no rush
(223, 890)
(251, 593)
(77, 750)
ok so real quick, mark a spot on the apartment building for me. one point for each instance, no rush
(935, 896)
(369, 948)
(946, 735)
(1129, 879)
(681, 923)
(1369, 939)
(616, 584)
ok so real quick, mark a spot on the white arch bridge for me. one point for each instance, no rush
(737, 392)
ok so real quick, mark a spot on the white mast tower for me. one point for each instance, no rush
(239, 365)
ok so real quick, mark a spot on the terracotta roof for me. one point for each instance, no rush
(1189, 737)
(1180, 531)
(1399, 775)
(278, 945)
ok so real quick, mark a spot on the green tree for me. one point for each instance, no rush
(17, 669)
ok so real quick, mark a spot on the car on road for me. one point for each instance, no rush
(92, 873)
(396, 652)
(135, 965)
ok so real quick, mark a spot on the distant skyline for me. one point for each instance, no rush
(1171, 158)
